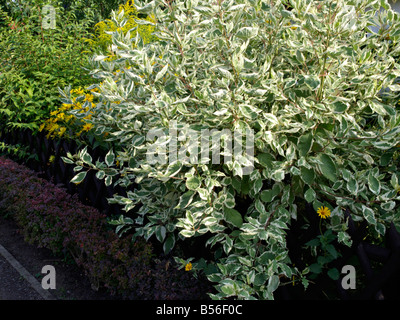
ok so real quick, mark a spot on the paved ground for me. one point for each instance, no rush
(13, 286)
(20, 271)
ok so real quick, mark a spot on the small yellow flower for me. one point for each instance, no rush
(87, 127)
(62, 131)
(89, 97)
(324, 212)
(61, 116)
(188, 267)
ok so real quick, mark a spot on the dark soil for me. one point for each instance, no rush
(71, 282)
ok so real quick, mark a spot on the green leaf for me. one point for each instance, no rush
(185, 199)
(307, 175)
(267, 195)
(265, 159)
(315, 268)
(108, 181)
(79, 177)
(193, 183)
(345, 238)
(273, 283)
(161, 73)
(173, 169)
(369, 215)
(110, 157)
(352, 186)
(160, 233)
(278, 175)
(228, 288)
(333, 274)
(265, 257)
(247, 32)
(310, 195)
(339, 107)
(100, 174)
(304, 144)
(169, 243)
(374, 184)
(328, 167)
(87, 158)
(233, 216)
(312, 82)
(260, 279)
(68, 161)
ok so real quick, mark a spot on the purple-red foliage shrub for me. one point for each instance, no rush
(51, 218)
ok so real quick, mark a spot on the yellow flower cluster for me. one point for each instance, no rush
(188, 266)
(103, 40)
(60, 120)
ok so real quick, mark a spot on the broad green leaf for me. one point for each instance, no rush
(345, 238)
(312, 82)
(352, 186)
(108, 181)
(185, 199)
(265, 159)
(162, 72)
(307, 175)
(304, 144)
(273, 283)
(193, 183)
(169, 243)
(374, 184)
(110, 157)
(79, 177)
(233, 216)
(160, 233)
(100, 174)
(310, 195)
(68, 161)
(266, 257)
(173, 169)
(247, 32)
(328, 167)
(333, 273)
(260, 279)
(278, 175)
(369, 215)
(266, 195)
(87, 158)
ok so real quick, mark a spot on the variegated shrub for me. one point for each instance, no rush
(316, 83)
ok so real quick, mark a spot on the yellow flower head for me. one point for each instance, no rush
(188, 267)
(89, 97)
(87, 127)
(324, 212)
